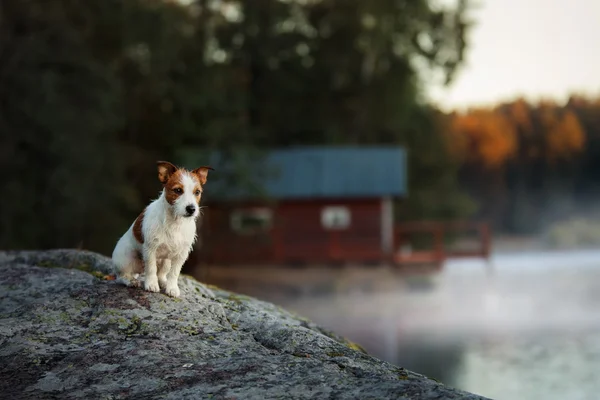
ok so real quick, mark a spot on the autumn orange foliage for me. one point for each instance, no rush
(491, 137)
(482, 136)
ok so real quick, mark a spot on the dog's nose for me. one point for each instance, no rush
(190, 209)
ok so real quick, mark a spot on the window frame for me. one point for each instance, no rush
(236, 220)
(346, 219)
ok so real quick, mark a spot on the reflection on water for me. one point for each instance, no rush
(531, 330)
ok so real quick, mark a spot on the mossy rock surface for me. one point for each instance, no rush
(68, 332)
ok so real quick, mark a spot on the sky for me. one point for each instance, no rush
(530, 48)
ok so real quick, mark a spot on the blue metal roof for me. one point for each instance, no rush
(310, 172)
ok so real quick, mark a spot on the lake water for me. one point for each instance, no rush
(529, 330)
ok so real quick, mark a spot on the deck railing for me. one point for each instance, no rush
(441, 235)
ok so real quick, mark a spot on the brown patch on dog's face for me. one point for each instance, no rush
(198, 193)
(197, 188)
(137, 228)
(174, 187)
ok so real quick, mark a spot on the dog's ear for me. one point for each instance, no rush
(202, 173)
(165, 170)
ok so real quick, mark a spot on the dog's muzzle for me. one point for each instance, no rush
(190, 210)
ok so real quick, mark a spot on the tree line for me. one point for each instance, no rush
(529, 164)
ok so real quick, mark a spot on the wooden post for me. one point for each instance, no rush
(387, 228)
(396, 242)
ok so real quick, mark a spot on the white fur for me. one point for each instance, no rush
(169, 235)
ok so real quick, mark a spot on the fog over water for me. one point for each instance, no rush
(530, 329)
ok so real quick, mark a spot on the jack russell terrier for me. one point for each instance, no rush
(161, 238)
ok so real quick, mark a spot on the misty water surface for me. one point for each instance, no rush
(531, 330)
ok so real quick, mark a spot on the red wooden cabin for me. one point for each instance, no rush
(322, 205)
(319, 205)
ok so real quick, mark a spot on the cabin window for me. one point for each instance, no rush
(335, 217)
(251, 221)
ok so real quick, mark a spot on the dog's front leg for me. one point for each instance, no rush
(172, 288)
(163, 270)
(151, 278)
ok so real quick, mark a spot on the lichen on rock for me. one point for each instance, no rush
(67, 332)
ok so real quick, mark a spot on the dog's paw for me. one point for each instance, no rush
(152, 286)
(162, 282)
(136, 283)
(172, 291)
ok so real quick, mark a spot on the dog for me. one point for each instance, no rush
(161, 238)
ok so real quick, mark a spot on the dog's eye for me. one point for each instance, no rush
(197, 193)
(178, 190)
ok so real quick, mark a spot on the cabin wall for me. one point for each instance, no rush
(302, 238)
(222, 245)
(296, 235)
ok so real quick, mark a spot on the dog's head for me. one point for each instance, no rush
(182, 188)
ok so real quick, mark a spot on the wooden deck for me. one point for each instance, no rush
(446, 241)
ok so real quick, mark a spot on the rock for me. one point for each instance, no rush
(67, 331)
